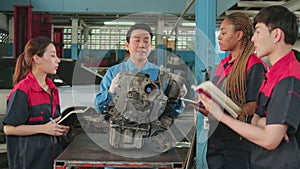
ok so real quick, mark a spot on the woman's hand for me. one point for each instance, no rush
(199, 107)
(211, 108)
(54, 129)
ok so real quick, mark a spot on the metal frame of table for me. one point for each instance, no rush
(83, 152)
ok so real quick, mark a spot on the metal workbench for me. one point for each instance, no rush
(83, 152)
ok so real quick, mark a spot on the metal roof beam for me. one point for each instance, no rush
(100, 6)
(252, 13)
(260, 4)
(292, 5)
(223, 5)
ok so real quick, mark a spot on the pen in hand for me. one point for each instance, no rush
(51, 119)
(199, 104)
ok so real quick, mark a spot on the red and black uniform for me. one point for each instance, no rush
(226, 148)
(29, 104)
(278, 101)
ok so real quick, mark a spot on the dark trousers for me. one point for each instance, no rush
(228, 159)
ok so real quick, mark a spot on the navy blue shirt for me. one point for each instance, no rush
(278, 101)
(29, 104)
(220, 135)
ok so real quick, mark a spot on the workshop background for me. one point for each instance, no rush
(94, 30)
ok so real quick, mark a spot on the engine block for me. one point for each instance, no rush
(144, 109)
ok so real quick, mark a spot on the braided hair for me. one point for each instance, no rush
(235, 85)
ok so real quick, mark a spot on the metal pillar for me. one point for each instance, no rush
(11, 37)
(85, 37)
(206, 22)
(161, 43)
(41, 25)
(22, 27)
(74, 45)
(58, 39)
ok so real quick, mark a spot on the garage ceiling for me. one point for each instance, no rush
(249, 7)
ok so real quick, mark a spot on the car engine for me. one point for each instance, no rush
(144, 109)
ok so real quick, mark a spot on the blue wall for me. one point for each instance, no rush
(111, 6)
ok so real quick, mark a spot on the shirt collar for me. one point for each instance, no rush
(35, 85)
(283, 61)
(229, 58)
(281, 64)
(132, 66)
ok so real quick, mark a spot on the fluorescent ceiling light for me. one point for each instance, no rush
(188, 24)
(119, 23)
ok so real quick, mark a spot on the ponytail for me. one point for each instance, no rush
(21, 69)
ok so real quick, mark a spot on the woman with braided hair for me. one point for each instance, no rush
(239, 75)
